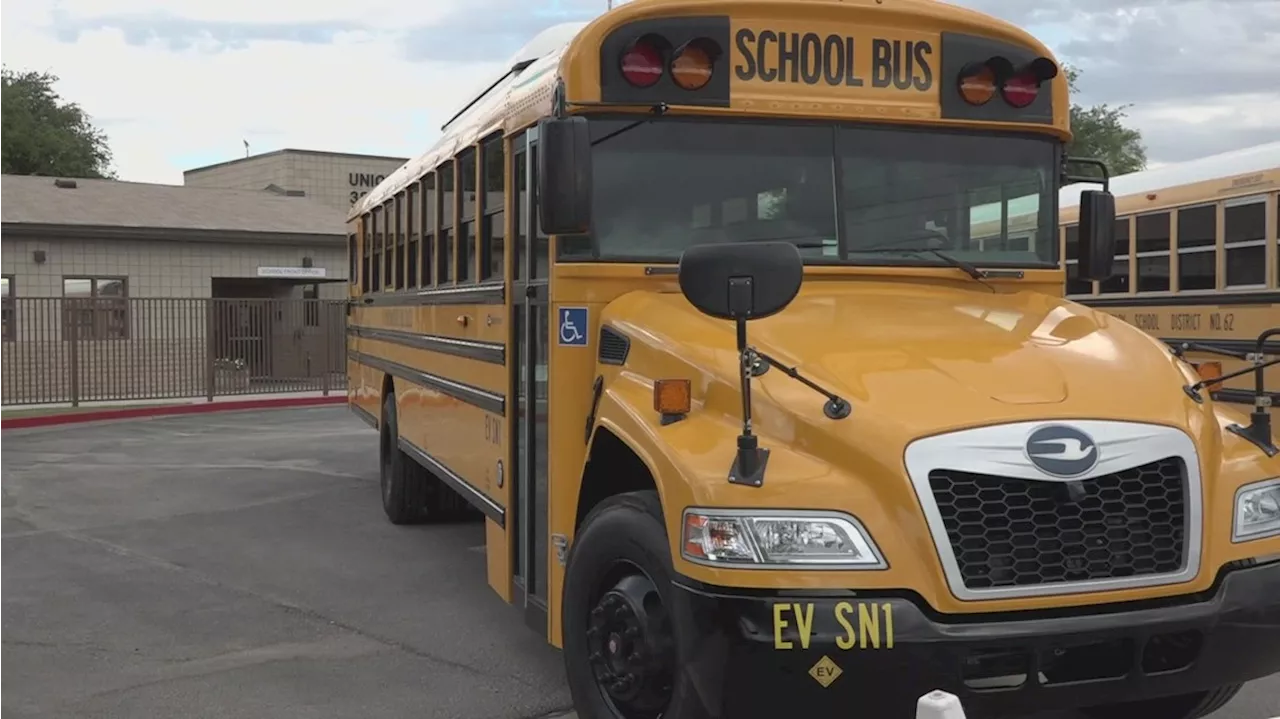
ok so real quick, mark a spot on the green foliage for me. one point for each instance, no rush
(1099, 132)
(44, 135)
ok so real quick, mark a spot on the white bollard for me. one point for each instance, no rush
(938, 704)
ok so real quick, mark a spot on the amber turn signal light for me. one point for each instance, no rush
(671, 396)
(977, 83)
(1210, 371)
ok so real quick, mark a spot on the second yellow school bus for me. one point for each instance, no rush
(715, 312)
(1203, 269)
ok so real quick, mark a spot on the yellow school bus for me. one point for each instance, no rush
(700, 307)
(1203, 271)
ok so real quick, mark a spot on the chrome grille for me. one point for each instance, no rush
(1012, 532)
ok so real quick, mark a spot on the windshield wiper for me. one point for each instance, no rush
(955, 262)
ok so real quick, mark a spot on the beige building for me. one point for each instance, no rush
(118, 289)
(334, 178)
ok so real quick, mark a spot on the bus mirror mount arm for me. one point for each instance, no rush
(1259, 430)
(742, 282)
(1097, 241)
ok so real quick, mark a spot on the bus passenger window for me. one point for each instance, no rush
(1198, 247)
(1118, 283)
(1245, 242)
(467, 228)
(430, 213)
(366, 243)
(377, 249)
(400, 240)
(1075, 285)
(493, 223)
(389, 245)
(444, 258)
(414, 223)
(1153, 253)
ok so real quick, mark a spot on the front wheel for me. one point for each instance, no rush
(1182, 706)
(620, 645)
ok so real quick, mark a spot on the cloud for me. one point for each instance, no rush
(179, 85)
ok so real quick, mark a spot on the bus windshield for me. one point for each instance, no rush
(842, 194)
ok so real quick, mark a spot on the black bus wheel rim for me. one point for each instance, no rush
(631, 644)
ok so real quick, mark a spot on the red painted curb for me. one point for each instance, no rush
(161, 410)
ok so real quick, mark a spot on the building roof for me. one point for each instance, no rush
(295, 151)
(36, 200)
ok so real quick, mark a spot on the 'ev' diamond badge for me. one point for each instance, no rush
(825, 671)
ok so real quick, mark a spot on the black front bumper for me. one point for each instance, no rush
(754, 655)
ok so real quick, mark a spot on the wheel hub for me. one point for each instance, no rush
(632, 647)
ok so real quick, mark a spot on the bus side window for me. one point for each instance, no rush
(430, 229)
(353, 262)
(377, 250)
(388, 245)
(400, 240)
(467, 220)
(444, 260)
(366, 244)
(414, 224)
(1152, 253)
(492, 209)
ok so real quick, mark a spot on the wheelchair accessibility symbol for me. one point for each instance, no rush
(573, 326)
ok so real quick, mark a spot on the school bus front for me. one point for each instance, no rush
(952, 477)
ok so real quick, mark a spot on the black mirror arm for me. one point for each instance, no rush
(837, 407)
(1257, 368)
(1068, 178)
(1182, 347)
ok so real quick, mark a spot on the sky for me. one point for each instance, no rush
(177, 85)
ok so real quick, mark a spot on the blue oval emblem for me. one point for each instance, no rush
(1062, 451)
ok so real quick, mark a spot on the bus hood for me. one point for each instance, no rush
(915, 359)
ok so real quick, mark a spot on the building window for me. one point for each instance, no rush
(430, 213)
(95, 308)
(1075, 285)
(1118, 282)
(7, 314)
(413, 220)
(1245, 241)
(467, 226)
(444, 260)
(1198, 247)
(493, 225)
(1152, 255)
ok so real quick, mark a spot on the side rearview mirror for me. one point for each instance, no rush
(742, 282)
(564, 175)
(1097, 234)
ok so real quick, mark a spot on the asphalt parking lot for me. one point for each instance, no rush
(239, 565)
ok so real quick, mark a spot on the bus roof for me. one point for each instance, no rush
(1227, 164)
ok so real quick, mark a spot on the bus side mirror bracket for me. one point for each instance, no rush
(742, 282)
(1097, 220)
(564, 175)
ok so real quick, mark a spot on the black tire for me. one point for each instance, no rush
(411, 494)
(621, 553)
(1181, 706)
(403, 481)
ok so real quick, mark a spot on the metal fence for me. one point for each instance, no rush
(65, 350)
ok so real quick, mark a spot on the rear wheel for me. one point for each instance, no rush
(411, 493)
(619, 640)
(1182, 706)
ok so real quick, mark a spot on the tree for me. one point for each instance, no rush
(45, 135)
(1099, 132)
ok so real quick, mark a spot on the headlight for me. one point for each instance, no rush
(773, 539)
(1257, 511)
